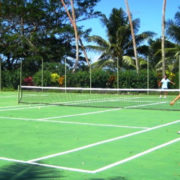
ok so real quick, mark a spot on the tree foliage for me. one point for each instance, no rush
(36, 30)
(118, 49)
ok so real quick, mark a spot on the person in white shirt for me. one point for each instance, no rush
(164, 85)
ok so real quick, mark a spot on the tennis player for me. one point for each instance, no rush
(172, 103)
(175, 99)
(164, 85)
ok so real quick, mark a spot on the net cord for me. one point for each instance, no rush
(100, 89)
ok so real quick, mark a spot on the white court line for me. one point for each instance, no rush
(100, 169)
(114, 99)
(16, 106)
(16, 95)
(44, 106)
(141, 105)
(97, 112)
(2, 97)
(136, 156)
(26, 107)
(47, 165)
(82, 114)
(103, 142)
(71, 122)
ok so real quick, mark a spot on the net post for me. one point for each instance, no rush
(147, 75)
(42, 72)
(90, 77)
(179, 73)
(20, 74)
(117, 74)
(65, 75)
(0, 74)
(19, 94)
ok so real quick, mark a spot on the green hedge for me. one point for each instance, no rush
(100, 78)
(10, 79)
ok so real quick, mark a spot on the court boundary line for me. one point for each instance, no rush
(46, 165)
(137, 155)
(83, 114)
(25, 107)
(6, 107)
(155, 148)
(102, 111)
(75, 123)
(109, 110)
(102, 142)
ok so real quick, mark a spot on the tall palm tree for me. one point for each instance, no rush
(163, 37)
(173, 31)
(72, 18)
(155, 54)
(119, 46)
(133, 35)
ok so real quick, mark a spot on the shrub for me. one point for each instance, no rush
(10, 79)
(54, 79)
(46, 78)
(28, 81)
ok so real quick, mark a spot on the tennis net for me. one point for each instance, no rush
(100, 97)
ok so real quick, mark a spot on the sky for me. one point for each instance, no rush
(148, 11)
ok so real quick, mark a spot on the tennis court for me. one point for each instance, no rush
(91, 143)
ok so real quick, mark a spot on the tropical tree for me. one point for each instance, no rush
(173, 31)
(39, 29)
(118, 49)
(133, 35)
(72, 18)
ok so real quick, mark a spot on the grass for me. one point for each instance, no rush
(89, 139)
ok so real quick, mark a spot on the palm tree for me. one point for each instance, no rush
(133, 36)
(118, 49)
(72, 18)
(172, 49)
(154, 52)
(173, 31)
(163, 37)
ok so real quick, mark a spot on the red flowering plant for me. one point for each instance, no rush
(28, 81)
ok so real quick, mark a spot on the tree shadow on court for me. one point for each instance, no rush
(111, 178)
(27, 172)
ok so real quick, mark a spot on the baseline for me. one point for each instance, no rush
(100, 169)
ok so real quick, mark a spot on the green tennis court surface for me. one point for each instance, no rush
(91, 143)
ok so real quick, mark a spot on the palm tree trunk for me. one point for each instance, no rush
(0, 74)
(84, 51)
(77, 37)
(73, 22)
(163, 38)
(133, 36)
(76, 34)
